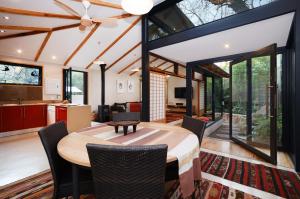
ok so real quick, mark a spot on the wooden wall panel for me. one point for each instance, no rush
(14, 92)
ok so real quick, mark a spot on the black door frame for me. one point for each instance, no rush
(269, 50)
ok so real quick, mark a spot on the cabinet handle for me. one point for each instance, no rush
(24, 113)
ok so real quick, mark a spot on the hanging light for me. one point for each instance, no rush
(137, 7)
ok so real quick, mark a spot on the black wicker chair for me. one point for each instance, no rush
(60, 168)
(194, 125)
(127, 172)
(126, 116)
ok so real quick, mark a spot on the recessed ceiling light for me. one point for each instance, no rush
(6, 17)
(19, 51)
(2, 31)
(227, 46)
(54, 57)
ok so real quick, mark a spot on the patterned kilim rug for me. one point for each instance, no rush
(275, 181)
(279, 182)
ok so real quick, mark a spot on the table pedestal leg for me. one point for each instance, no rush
(116, 129)
(134, 128)
(75, 176)
(125, 129)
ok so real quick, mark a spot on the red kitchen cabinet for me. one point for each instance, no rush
(12, 118)
(34, 116)
(61, 114)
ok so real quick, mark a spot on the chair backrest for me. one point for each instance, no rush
(126, 116)
(128, 171)
(50, 136)
(194, 125)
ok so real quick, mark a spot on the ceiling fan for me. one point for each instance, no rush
(86, 20)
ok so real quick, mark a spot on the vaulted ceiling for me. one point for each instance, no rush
(43, 37)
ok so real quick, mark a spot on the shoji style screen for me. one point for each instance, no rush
(157, 97)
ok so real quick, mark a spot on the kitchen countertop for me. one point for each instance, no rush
(49, 104)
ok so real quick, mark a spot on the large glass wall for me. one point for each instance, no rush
(186, 14)
(218, 91)
(259, 67)
(214, 98)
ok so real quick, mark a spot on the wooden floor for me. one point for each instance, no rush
(24, 156)
(231, 148)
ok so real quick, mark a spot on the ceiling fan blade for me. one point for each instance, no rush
(82, 28)
(67, 8)
(111, 21)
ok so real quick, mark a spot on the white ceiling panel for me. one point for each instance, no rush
(29, 46)
(35, 5)
(21, 20)
(132, 56)
(100, 40)
(242, 39)
(61, 44)
(132, 38)
(10, 32)
(94, 10)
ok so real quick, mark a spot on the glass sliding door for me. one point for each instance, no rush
(253, 103)
(78, 87)
(238, 83)
(260, 88)
(75, 86)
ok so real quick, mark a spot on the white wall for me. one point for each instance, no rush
(111, 95)
(174, 82)
(94, 83)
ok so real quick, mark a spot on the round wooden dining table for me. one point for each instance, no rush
(183, 146)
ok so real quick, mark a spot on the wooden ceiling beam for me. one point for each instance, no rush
(65, 27)
(163, 58)
(82, 43)
(31, 28)
(35, 32)
(66, 7)
(23, 34)
(122, 16)
(153, 60)
(115, 41)
(124, 55)
(129, 65)
(38, 54)
(169, 67)
(104, 4)
(37, 14)
(135, 72)
(141, 67)
(163, 63)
